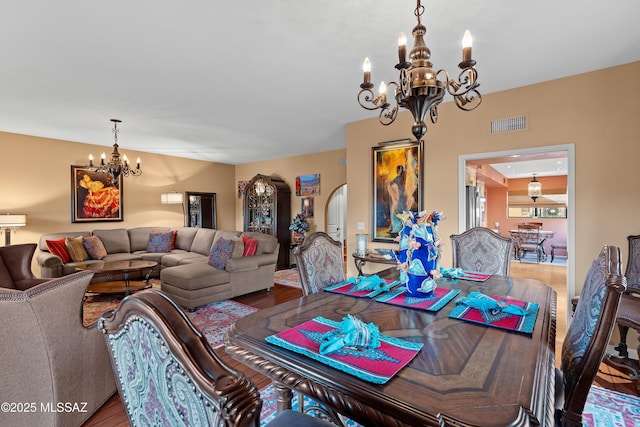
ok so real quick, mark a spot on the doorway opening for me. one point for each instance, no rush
(336, 217)
(527, 154)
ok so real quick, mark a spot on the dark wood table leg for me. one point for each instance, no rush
(283, 397)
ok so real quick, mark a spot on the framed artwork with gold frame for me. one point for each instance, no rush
(397, 186)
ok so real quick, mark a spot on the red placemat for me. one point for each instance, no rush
(475, 276)
(349, 288)
(502, 320)
(377, 365)
(439, 299)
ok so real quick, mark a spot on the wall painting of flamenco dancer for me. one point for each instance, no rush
(397, 186)
(94, 196)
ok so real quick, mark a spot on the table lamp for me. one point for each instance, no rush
(10, 222)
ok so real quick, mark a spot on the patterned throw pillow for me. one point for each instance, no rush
(76, 249)
(160, 241)
(220, 252)
(59, 249)
(238, 247)
(250, 246)
(94, 247)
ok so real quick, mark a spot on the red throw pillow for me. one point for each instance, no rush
(250, 246)
(174, 233)
(59, 249)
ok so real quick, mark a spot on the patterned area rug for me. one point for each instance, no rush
(289, 277)
(603, 408)
(610, 408)
(212, 320)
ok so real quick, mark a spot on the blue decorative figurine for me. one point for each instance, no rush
(419, 252)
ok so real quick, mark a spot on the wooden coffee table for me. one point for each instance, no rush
(113, 268)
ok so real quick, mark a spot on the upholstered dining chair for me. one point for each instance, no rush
(481, 249)
(167, 374)
(320, 261)
(629, 310)
(588, 335)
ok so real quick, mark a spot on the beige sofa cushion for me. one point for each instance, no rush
(184, 237)
(114, 241)
(203, 241)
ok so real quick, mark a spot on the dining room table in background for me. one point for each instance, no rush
(465, 374)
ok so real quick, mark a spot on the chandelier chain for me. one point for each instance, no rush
(419, 12)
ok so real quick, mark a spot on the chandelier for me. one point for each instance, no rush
(534, 188)
(420, 90)
(115, 166)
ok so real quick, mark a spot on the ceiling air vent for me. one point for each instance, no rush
(509, 125)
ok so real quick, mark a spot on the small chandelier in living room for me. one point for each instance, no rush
(420, 89)
(115, 166)
(534, 188)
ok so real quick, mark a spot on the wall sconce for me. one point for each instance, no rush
(534, 189)
(11, 222)
(362, 240)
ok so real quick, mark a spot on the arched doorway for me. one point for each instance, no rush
(336, 215)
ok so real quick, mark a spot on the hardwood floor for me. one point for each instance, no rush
(112, 414)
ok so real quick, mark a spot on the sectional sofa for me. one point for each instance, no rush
(186, 271)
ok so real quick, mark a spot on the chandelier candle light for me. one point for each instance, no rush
(420, 89)
(115, 166)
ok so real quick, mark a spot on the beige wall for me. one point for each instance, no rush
(35, 176)
(333, 174)
(35, 179)
(594, 111)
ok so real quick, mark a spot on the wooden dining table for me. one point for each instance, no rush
(466, 374)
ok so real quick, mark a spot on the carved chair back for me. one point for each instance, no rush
(481, 249)
(166, 371)
(589, 333)
(320, 261)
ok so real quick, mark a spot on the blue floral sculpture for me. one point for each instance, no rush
(419, 252)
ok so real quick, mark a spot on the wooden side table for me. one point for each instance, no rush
(361, 260)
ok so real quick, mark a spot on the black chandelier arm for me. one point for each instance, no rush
(388, 112)
(366, 99)
(464, 90)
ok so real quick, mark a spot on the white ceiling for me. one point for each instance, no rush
(237, 82)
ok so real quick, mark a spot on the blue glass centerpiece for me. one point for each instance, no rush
(419, 252)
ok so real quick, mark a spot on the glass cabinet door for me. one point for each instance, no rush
(260, 209)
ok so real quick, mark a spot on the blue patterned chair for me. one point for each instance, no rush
(588, 335)
(320, 261)
(481, 249)
(629, 310)
(168, 375)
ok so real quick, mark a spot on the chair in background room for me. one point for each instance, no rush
(588, 335)
(320, 262)
(529, 241)
(480, 249)
(168, 374)
(629, 311)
